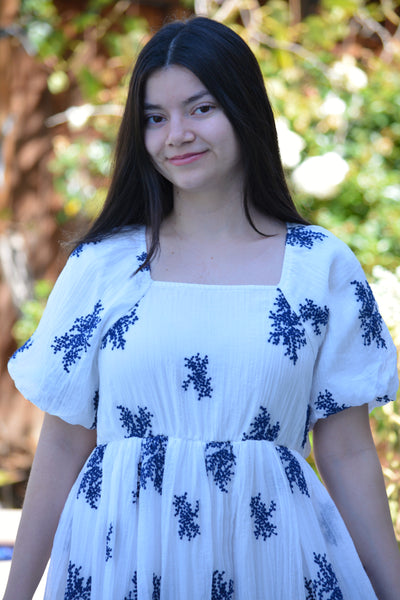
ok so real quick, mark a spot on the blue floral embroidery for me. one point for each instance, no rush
(156, 595)
(325, 586)
(138, 425)
(306, 426)
(108, 545)
(303, 236)
(77, 588)
(115, 335)
(24, 347)
(220, 461)
(92, 479)
(76, 340)
(79, 249)
(326, 403)
(288, 326)
(371, 320)
(156, 587)
(133, 594)
(317, 315)
(187, 516)
(198, 376)
(293, 470)
(221, 589)
(142, 259)
(95, 409)
(136, 492)
(261, 516)
(153, 458)
(384, 399)
(261, 428)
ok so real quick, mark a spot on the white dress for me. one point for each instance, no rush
(203, 397)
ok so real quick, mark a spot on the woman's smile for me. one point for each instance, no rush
(185, 159)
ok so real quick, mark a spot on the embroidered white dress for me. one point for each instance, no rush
(203, 397)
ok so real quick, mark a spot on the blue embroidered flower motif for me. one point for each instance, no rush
(115, 335)
(133, 594)
(156, 587)
(153, 451)
(293, 470)
(91, 481)
(220, 461)
(156, 595)
(138, 425)
(262, 526)
(221, 588)
(287, 325)
(187, 515)
(108, 545)
(317, 315)
(136, 492)
(261, 427)
(325, 586)
(371, 320)
(198, 376)
(142, 259)
(303, 236)
(384, 399)
(76, 340)
(77, 588)
(306, 426)
(95, 409)
(79, 249)
(24, 347)
(326, 402)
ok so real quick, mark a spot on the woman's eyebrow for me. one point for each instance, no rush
(194, 98)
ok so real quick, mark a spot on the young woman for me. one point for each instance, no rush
(196, 335)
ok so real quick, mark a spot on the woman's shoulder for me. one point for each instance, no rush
(120, 251)
(317, 243)
(105, 262)
(119, 241)
(319, 259)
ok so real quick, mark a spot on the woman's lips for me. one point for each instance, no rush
(185, 159)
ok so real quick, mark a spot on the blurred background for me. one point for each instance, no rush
(332, 71)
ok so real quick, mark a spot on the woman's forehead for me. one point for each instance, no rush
(173, 83)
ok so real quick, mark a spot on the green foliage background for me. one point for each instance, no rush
(327, 56)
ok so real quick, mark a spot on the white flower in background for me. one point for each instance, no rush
(392, 192)
(290, 143)
(320, 176)
(345, 72)
(77, 116)
(333, 106)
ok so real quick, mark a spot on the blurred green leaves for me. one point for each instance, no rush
(32, 311)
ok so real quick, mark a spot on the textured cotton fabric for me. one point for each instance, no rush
(203, 397)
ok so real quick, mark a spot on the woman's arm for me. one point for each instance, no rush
(61, 452)
(348, 463)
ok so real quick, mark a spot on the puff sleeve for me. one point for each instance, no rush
(356, 362)
(56, 368)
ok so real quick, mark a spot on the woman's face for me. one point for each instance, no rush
(189, 138)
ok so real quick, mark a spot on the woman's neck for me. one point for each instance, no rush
(211, 215)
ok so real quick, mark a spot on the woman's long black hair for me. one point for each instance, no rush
(223, 62)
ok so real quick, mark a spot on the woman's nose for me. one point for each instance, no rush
(179, 132)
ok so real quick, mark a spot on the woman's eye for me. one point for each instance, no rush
(153, 119)
(203, 109)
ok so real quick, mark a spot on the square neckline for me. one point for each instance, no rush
(229, 286)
